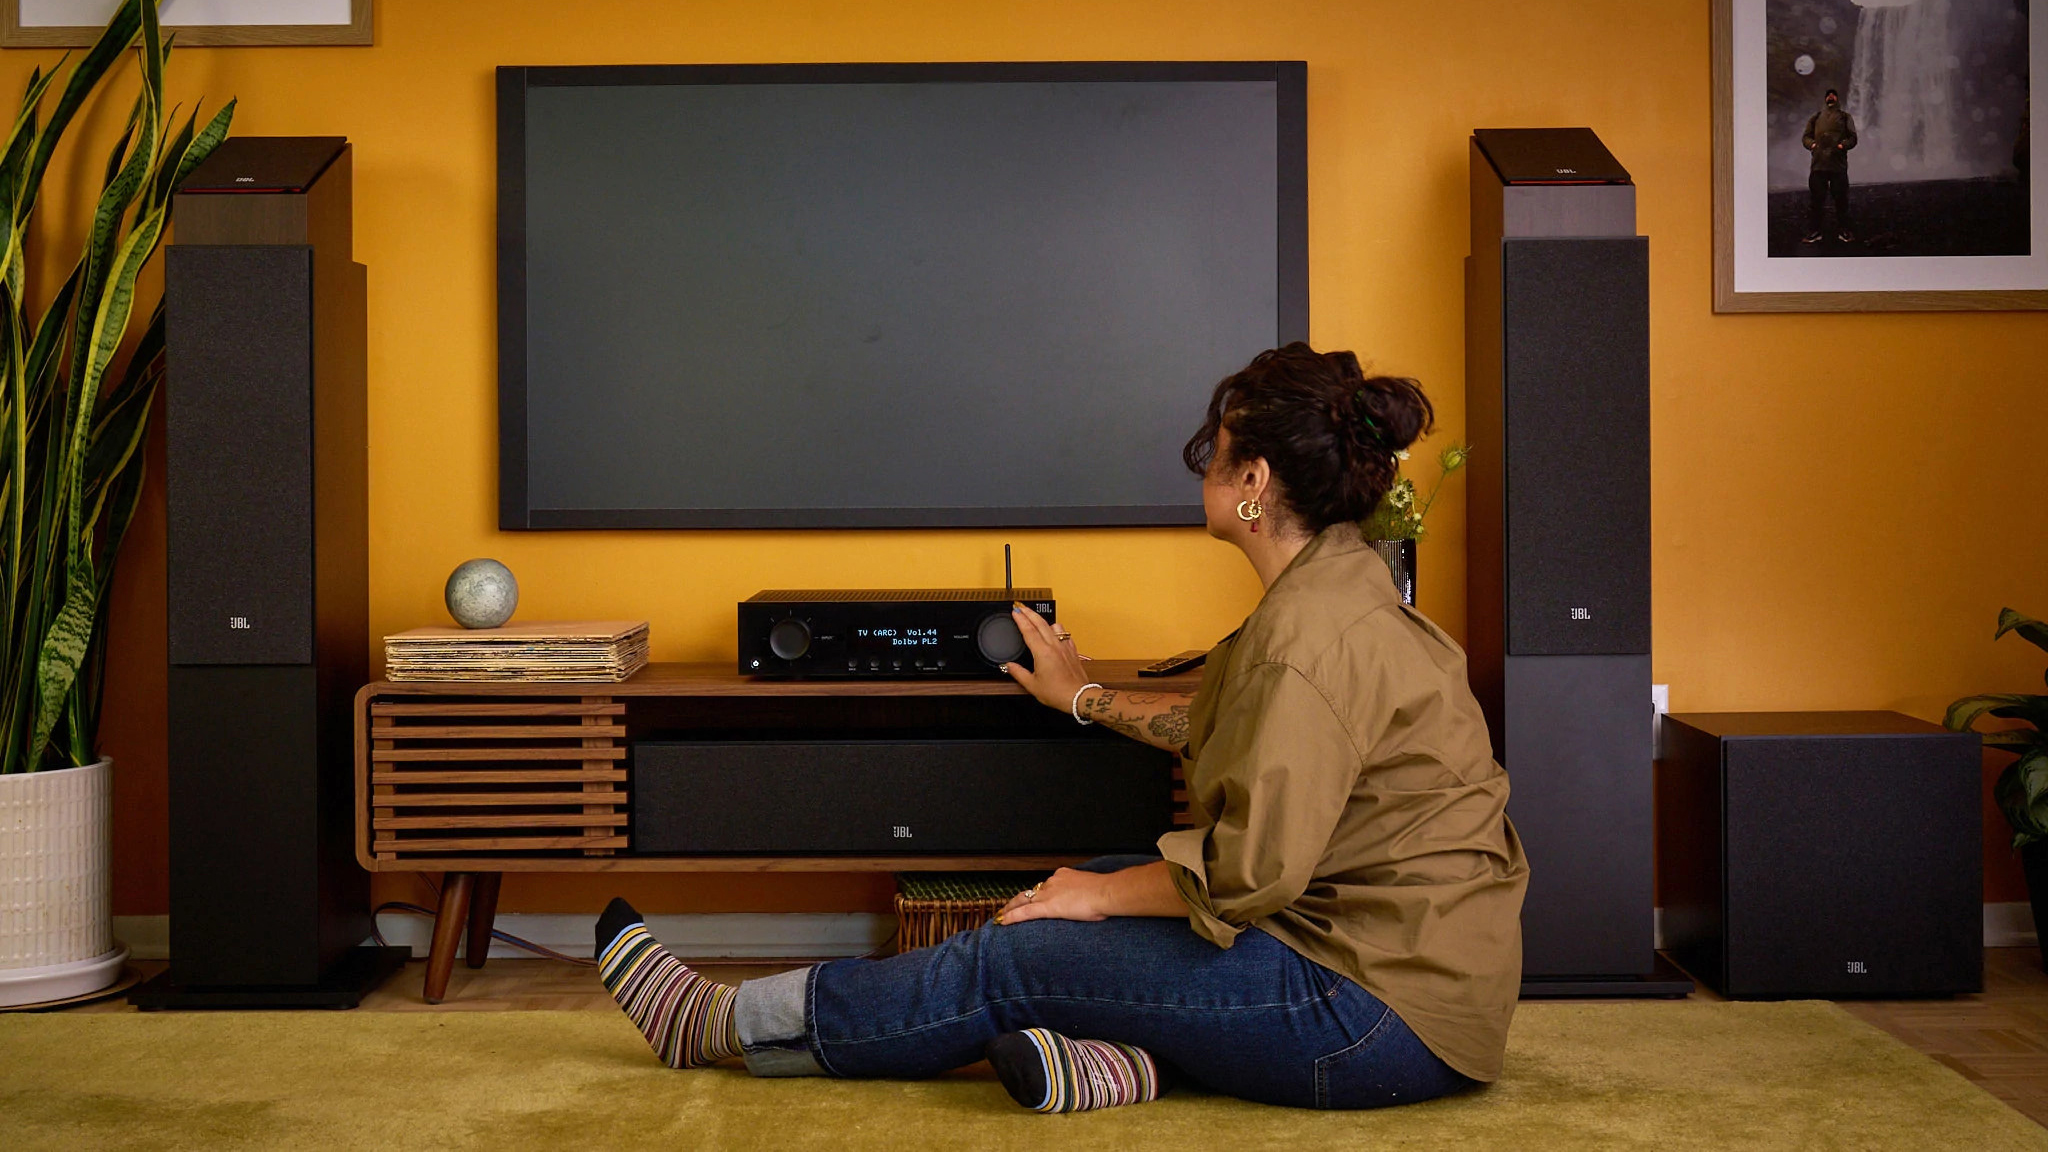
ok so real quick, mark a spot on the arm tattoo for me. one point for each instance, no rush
(1128, 725)
(1102, 710)
(1098, 708)
(1143, 720)
(1172, 725)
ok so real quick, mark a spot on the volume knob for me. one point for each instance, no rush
(998, 638)
(789, 639)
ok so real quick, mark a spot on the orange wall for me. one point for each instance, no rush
(1842, 503)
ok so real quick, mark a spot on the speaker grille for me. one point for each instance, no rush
(239, 434)
(1577, 369)
(1578, 754)
(245, 809)
(906, 796)
(1853, 865)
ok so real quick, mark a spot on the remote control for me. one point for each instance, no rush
(1176, 664)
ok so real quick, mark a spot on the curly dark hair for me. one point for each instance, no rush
(1328, 431)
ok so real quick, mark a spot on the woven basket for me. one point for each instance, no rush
(931, 906)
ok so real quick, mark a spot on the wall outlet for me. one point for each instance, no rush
(1660, 702)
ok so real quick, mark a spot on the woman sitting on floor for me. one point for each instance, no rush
(1342, 928)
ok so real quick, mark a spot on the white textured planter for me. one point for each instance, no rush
(56, 924)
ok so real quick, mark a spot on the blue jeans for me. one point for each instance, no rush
(1255, 1020)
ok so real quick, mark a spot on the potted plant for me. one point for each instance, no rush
(1395, 526)
(2022, 789)
(71, 434)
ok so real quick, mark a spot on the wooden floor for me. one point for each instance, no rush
(1997, 1039)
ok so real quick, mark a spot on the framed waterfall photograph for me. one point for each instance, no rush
(1873, 155)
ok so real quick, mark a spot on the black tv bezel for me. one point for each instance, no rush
(514, 511)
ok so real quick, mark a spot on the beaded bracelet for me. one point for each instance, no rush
(1075, 707)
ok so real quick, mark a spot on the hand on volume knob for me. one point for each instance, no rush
(1058, 672)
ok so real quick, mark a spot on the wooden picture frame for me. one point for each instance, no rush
(358, 31)
(1750, 277)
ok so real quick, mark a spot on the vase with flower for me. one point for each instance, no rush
(1395, 527)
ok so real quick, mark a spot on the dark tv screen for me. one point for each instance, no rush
(884, 295)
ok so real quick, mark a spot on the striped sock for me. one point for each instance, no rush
(686, 1018)
(1047, 1072)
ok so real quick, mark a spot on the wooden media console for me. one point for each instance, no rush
(476, 779)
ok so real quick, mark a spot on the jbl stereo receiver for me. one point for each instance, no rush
(886, 633)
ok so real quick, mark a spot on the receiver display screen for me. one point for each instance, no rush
(891, 641)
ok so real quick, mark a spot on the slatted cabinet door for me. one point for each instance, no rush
(455, 777)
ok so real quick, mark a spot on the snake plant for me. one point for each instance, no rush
(73, 411)
(2022, 789)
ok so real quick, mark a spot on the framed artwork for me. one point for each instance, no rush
(202, 23)
(1873, 155)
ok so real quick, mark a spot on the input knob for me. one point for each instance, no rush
(789, 639)
(998, 638)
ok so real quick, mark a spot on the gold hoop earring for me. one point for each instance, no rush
(1250, 510)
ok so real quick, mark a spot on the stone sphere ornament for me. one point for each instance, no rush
(482, 593)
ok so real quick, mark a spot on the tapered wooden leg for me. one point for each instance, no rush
(448, 924)
(483, 912)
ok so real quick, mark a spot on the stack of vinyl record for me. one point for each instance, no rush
(576, 650)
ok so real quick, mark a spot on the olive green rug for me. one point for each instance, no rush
(1580, 1076)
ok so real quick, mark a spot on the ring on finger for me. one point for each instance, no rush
(1029, 894)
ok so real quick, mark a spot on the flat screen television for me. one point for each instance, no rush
(884, 295)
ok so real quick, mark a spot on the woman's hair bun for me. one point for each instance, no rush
(1388, 413)
(1330, 433)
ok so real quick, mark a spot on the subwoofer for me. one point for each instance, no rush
(1822, 854)
(268, 599)
(1557, 397)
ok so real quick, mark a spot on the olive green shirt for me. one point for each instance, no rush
(1346, 801)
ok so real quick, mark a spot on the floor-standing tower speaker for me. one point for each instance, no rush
(268, 594)
(1558, 557)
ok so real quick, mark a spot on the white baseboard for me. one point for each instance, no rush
(720, 936)
(2009, 926)
(768, 935)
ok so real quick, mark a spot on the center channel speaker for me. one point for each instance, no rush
(1558, 551)
(891, 795)
(268, 597)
